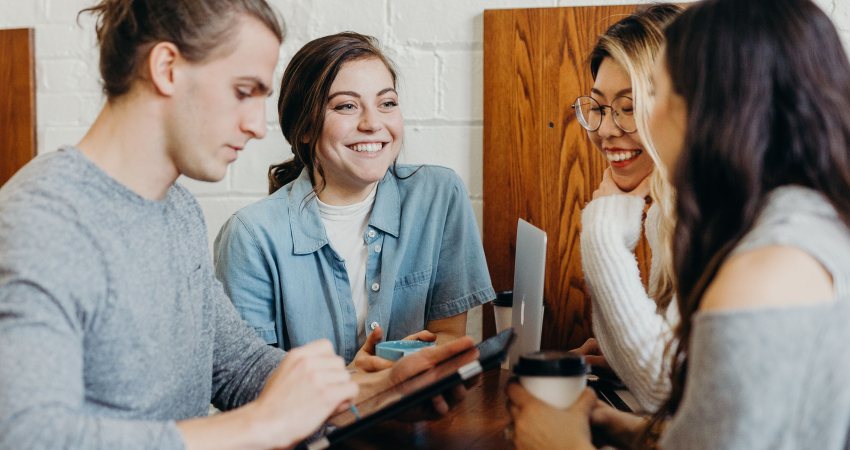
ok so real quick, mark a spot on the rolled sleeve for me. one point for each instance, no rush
(462, 280)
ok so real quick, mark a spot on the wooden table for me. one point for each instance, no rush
(478, 422)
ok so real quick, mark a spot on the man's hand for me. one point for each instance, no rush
(365, 359)
(309, 385)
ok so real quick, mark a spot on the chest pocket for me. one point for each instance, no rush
(413, 280)
(410, 303)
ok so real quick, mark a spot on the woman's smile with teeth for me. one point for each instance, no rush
(621, 155)
(368, 147)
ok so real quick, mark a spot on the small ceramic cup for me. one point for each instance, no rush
(395, 350)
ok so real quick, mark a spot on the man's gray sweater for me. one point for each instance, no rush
(112, 324)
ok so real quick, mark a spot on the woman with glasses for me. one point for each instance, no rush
(631, 326)
(758, 150)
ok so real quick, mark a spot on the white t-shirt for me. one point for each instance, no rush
(346, 230)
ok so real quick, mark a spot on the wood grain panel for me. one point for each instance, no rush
(538, 162)
(17, 101)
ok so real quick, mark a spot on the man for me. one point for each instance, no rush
(114, 332)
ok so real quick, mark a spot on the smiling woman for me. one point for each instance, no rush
(632, 324)
(362, 132)
(350, 243)
(611, 97)
(186, 83)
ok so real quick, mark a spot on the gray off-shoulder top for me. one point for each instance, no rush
(776, 378)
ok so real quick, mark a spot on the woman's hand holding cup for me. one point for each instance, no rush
(537, 424)
(365, 360)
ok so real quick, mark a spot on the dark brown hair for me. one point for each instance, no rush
(767, 89)
(304, 93)
(128, 29)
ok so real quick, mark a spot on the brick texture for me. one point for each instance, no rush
(436, 44)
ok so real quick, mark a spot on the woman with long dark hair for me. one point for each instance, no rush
(751, 116)
(351, 246)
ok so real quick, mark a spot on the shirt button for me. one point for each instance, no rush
(377, 249)
(376, 287)
(373, 325)
(371, 233)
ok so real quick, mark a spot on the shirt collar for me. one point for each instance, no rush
(305, 222)
(386, 214)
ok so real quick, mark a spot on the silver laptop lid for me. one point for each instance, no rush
(529, 272)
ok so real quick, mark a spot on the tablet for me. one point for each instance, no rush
(416, 390)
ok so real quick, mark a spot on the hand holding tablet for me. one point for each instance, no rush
(416, 379)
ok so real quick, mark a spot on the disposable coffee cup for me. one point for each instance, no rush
(502, 309)
(555, 377)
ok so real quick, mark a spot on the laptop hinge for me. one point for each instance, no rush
(470, 370)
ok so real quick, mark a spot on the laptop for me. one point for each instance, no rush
(529, 272)
(527, 311)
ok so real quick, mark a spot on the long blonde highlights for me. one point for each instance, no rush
(634, 42)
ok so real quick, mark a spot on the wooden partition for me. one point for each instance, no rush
(17, 101)
(538, 162)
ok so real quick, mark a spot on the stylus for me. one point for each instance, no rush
(355, 411)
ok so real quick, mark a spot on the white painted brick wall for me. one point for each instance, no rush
(436, 44)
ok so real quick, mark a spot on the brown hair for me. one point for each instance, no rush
(128, 29)
(303, 95)
(767, 88)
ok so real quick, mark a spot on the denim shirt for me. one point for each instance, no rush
(425, 262)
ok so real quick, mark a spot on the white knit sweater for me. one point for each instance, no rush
(632, 334)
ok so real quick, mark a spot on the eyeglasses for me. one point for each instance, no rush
(590, 113)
